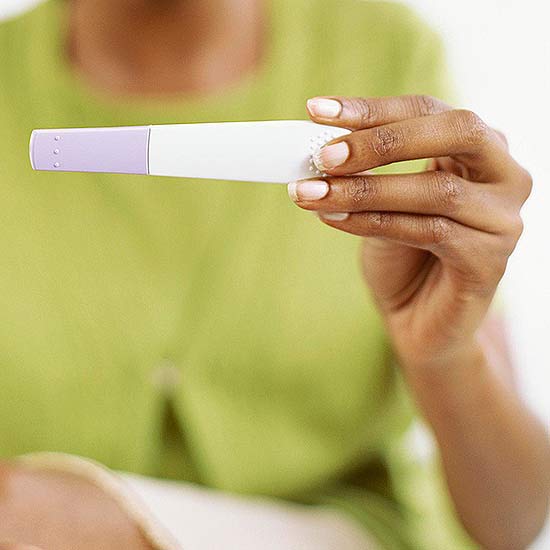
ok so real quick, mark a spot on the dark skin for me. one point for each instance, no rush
(434, 247)
(166, 47)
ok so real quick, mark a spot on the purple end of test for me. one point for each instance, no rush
(121, 150)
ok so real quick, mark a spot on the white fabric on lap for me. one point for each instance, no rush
(182, 516)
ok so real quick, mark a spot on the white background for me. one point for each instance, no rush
(500, 54)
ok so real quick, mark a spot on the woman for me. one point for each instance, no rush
(209, 332)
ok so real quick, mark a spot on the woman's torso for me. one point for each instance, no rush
(120, 293)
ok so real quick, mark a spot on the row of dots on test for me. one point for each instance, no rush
(56, 152)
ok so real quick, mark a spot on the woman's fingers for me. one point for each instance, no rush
(426, 232)
(478, 256)
(450, 211)
(459, 134)
(357, 113)
(436, 193)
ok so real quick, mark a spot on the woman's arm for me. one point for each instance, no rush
(435, 246)
(494, 451)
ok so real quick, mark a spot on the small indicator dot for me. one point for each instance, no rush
(56, 151)
(56, 164)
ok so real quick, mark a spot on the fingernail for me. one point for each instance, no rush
(324, 108)
(331, 156)
(334, 216)
(309, 190)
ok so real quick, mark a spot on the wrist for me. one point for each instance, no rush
(443, 364)
(449, 380)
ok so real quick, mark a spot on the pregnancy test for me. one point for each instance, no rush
(272, 151)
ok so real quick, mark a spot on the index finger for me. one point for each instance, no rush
(458, 134)
(357, 113)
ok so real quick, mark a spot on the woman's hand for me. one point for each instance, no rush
(436, 243)
(50, 510)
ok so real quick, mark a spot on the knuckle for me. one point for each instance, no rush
(439, 230)
(527, 184)
(379, 221)
(503, 138)
(387, 141)
(517, 228)
(449, 191)
(359, 191)
(426, 105)
(483, 264)
(366, 112)
(472, 129)
(509, 222)
(511, 234)
(493, 261)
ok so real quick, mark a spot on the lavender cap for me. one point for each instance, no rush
(122, 150)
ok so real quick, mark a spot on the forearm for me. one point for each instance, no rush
(495, 453)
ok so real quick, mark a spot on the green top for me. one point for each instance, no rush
(207, 331)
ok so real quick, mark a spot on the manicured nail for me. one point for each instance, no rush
(331, 156)
(324, 108)
(308, 190)
(334, 216)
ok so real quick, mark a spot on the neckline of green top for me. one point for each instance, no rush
(56, 75)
